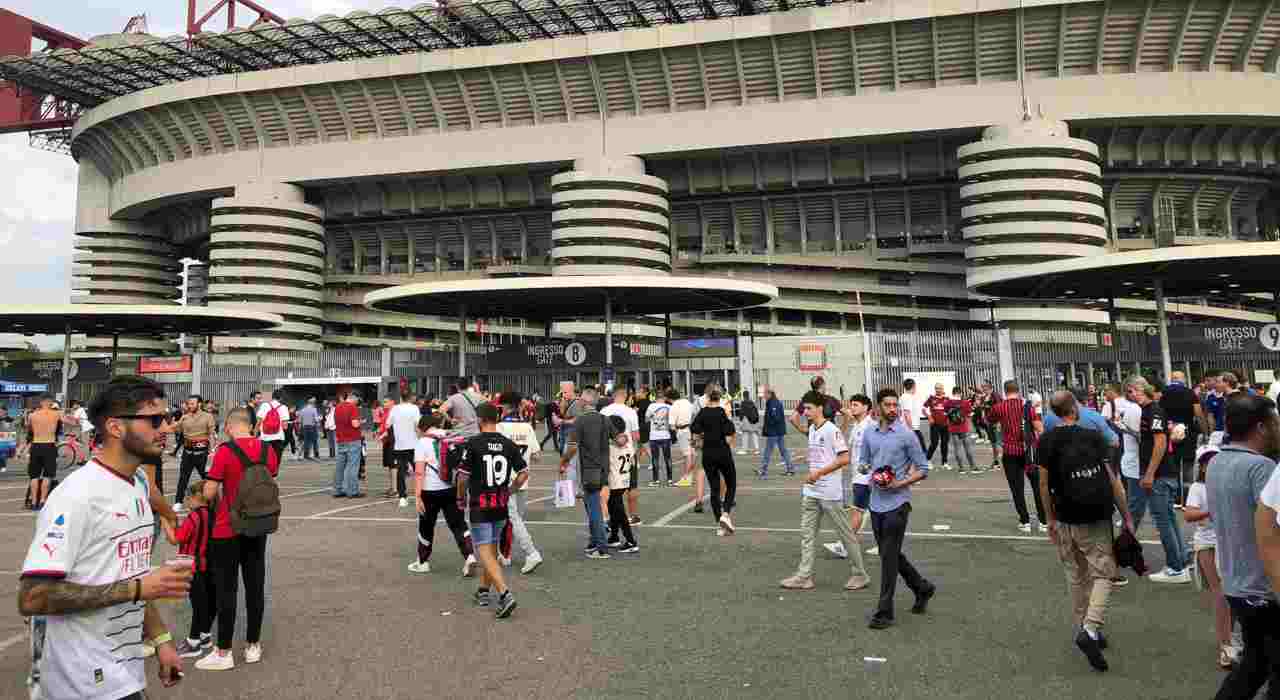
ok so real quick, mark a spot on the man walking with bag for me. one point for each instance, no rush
(242, 481)
(1079, 494)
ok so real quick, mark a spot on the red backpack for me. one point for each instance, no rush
(271, 421)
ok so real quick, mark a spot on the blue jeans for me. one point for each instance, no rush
(595, 520)
(770, 441)
(346, 473)
(1164, 493)
(1137, 500)
(310, 441)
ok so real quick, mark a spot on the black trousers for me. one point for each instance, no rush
(204, 603)
(717, 465)
(403, 462)
(618, 521)
(435, 503)
(278, 447)
(938, 434)
(190, 460)
(1260, 626)
(1015, 472)
(232, 559)
(890, 529)
(289, 441)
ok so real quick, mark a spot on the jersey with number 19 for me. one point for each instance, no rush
(94, 530)
(490, 462)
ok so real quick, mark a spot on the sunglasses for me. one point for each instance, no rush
(157, 419)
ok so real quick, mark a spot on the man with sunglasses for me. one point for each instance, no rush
(87, 581)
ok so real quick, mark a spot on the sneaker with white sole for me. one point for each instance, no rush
(1170, 576)
(252, 653)
(598, 554)
(531, 562)
(727, 523)
(797, 583)
(837, 550)
(217, 661)
(504, 561)
(187, 650)
(404, 503)
(1025, 527)
(419, 567)
(468, 567)
(630, 549)
(873, 552)
(1043, 528)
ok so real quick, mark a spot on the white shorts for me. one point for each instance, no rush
(683, 442)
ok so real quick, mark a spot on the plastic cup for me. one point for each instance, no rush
(180, 561)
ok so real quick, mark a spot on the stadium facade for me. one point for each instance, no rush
(825, 150)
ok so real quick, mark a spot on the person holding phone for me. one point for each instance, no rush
(87, 582)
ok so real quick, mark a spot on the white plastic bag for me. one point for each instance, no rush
(564, 493)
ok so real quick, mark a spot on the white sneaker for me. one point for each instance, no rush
(741, 452)
(837, 549)
(1170, 576)
(531, 562)
(404, 503)
(1044, 528)
(503, 560)
(726, 522)
(468, 566)
(217, 661)
(1025, 527)
(874, 552)
(419, 567)
(946, 466)
(253, 653)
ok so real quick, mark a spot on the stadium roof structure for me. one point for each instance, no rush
(96, 74)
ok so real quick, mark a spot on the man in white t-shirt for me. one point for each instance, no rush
(274, 440)
(1126, 417)
(629, 416)
(681, 418)
(821, 495)
(910, 406)
(856, 485)
(523, 434)
(404, 424)
(658, 416)
(87, 580)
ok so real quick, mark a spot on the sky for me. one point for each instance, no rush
(38, 189)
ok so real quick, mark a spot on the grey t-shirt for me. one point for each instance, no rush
(1235, 481)
(463, 411)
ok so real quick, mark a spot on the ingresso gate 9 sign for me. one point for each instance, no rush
(1220, 339)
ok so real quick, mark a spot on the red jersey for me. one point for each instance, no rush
(1011, 414)
(228, 470)
(937, 408)
(193, 536)
(966, 410)
(342, 417)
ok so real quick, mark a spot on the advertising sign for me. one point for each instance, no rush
(812, 357)
(555, 354)
(1220, 338)
(164, 365)
(85, 369)
(702, 347)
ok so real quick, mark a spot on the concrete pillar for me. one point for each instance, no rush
(635, 237)
(268, 255)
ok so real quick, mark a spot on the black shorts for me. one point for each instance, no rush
(43, 462)
(403, 458)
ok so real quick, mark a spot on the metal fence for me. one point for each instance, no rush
(1037, 358)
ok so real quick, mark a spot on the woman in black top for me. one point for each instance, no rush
(716, 431)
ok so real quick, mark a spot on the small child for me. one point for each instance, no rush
(622, 460)
(1205, 543)
(435, 494)
(193, 539)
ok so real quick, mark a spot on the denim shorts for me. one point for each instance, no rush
(487, 533)
(861, 496)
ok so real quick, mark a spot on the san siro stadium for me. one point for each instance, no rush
(875, 160)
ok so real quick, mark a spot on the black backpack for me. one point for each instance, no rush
(955, 415)
(1086, 480)
(256, 510)
(750, 412)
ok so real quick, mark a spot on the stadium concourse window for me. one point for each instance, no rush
(820, 225)
(786, 226)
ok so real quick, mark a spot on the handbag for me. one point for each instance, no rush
(1029, 438)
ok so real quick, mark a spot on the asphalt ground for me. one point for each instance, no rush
(691, 616)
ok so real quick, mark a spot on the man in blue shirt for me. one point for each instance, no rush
(1087, 418)
(892, 444)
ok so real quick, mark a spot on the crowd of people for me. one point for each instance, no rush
(1097, 462)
